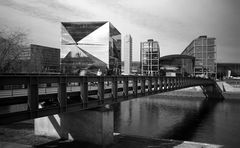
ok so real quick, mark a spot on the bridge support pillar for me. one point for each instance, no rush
(94, 126)
(213, 92)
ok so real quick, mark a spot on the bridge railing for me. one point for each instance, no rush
(43, 95)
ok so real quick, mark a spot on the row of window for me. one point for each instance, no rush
(205, 42)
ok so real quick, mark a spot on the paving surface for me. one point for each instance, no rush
(131, 142)
(13, 145)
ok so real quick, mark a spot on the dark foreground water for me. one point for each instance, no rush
(188, 119)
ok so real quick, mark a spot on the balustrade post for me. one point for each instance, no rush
(155, 84)
(185, 82)
(170, 83)
(160, 84)
(165, 83)
(125, 87)
(174, 83)
(84, 90)
(180, 82)
(135, 86)
(114, 88)
(33, 97)
(101, 89)
(143, 85)
(62, 94)
(149, 84)
(177, 82)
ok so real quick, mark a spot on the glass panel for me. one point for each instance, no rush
(155, 62)
(79, 30)
(211, 42)
(198, 49)
(198, 42)
(94, 49)
(211, 49)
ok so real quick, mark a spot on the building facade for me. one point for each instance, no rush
(177, 65)
(204, 50)
(40, 59)
(87, 47)
(127, 54)
(149, 57)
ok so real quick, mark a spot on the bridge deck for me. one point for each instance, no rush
(74, 93)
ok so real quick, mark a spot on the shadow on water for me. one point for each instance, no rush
(188, 126)
(164, 117)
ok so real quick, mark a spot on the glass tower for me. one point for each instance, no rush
(127, 54)
(87, 47)
(204, 50)
(149, 57)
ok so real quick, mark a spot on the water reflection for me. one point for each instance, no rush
(192, 119)
(152, 116)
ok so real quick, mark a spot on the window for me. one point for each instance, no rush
(211, 56)
(154, 62)
(211, 49)
(198, 42)
(198, 55)
(211, 41)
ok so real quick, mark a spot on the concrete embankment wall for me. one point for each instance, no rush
(186, 92)
(228, 91)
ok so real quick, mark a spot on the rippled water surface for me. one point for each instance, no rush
(189, 119)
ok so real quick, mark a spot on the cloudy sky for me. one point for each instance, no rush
(173, 23)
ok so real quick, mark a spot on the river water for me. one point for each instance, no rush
(179, 118)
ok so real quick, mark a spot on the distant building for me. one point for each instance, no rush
(228, 69)
(87, 47)
(149, 57)
(136, 69)
(177, 65)
(204, 50)
(40, 59)
(127, 54)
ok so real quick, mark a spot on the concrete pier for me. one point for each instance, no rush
(95, 126)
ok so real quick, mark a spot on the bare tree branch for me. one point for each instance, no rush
(11, 46)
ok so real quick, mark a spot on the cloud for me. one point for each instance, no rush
(173, 23)
(49, 10)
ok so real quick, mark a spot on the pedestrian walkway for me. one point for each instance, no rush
(13, 145)
(122, 141)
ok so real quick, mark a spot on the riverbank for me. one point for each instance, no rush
(124, 141)
(195, 92)
(21, 134)
(228, 91)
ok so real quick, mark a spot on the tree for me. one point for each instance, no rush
(11, 46)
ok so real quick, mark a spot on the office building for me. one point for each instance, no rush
(204, 50)
(149, 57)
(177, 65)
(40, 59)
(127, 54)
(87, 47)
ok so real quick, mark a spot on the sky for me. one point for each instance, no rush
(173, 23)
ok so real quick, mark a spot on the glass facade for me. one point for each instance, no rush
(149, 57)
(204, 51)
(87, 47)
(128, 54)
(180, 65)
(40, 59)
